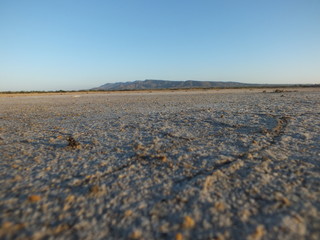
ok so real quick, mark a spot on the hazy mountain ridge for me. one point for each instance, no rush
(166, 84)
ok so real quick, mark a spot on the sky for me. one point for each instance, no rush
(81, 44)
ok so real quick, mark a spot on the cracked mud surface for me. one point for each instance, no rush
(164, 165)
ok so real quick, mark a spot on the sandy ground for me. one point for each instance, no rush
(161, 165)
(178, 91)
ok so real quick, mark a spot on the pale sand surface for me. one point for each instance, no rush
(229, 164)
(212, 90)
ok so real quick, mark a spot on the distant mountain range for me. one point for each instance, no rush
(166, 84)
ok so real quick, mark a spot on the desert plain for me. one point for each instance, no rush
(201, 164)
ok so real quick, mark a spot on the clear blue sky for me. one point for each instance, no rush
(78, 44)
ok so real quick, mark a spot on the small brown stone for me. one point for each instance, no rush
(179, 236)
(139, 146)
(188, 222)
(7, 225)
(220, 206)
(37, 159)
(34, 198)
(282, 199)
(258, 233)
(136, 234)
(245, 214)
(60, 228)
(70, 198)
(59, 137)
(163, 158)
(94, 189)
(17, 178)
(285, 201)
(249, 156)
(128, 213)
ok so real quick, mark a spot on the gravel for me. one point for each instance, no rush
(161, 165)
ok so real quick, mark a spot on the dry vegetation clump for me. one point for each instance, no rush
(72, 143)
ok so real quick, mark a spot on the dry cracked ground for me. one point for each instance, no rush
(162, 165)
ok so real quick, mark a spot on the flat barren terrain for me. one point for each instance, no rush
(229, 164)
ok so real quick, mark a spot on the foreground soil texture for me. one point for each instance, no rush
(235, 164)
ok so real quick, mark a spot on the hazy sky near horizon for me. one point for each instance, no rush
(80, 44)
